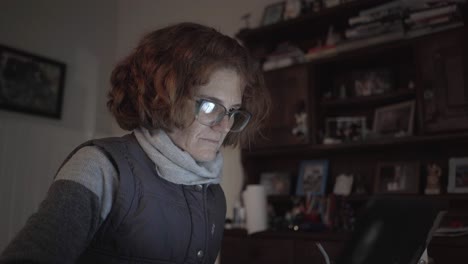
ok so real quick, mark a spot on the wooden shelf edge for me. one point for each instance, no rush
(340, 236)
(323, 150)
(371, 99)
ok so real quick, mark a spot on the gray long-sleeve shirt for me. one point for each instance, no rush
(76, 204)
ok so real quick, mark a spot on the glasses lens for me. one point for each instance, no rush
(240, 119)
(210, 113)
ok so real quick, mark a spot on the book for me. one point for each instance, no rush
(433, 12)
(431, 29)
(394, 6)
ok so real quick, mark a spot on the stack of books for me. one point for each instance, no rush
(430, 16)
(284, 55)
(383, 19)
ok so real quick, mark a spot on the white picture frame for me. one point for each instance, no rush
(458, 175)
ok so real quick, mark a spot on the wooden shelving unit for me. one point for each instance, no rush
(436, 66)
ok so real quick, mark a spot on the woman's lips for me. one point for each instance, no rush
(213, 141)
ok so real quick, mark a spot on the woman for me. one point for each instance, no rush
(153, 196)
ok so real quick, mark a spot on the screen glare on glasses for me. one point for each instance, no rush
(210, 113)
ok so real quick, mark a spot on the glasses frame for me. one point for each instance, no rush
(229, 113)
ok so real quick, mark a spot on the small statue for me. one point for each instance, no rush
(301, 124)
(434, 172)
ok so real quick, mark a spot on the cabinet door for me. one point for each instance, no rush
(448, 254)
(307, 252)
(288, 89)
(442, 59)
(234, 250)
(271, 251)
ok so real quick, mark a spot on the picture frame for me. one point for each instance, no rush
(312, 178)
(345, 128)
(458, 175)
(276, 182)
(30, 83)
(397, 177)
(273, 13)
(361, 83)
(372, 82)
(394, 120)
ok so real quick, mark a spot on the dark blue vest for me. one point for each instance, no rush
(153, 220)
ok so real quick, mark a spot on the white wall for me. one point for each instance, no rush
(89, 36)
(81, 34)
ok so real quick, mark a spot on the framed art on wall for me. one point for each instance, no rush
(30, 83)
(312, 178)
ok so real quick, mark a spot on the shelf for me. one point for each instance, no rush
(330, 236)
(323, 150)
(305, 21)
(376, 44)
(324, 235)
(379, 99)
(444, 199)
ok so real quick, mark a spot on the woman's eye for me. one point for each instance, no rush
(208, 107)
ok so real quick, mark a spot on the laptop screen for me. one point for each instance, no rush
(392, 230)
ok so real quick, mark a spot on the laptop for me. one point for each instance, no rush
(392, 230)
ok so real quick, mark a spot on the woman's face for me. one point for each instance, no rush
(202, 142)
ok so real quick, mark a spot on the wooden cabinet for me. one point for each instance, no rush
(299, 248)
(428, 70)
(289, 93)
(282, 248)
(444, 84)
(259, 247)
(307, 251)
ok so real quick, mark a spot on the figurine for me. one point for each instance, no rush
(434, 172)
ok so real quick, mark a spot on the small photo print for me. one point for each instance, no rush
(344, 129)
(276, 183)
(312, 177)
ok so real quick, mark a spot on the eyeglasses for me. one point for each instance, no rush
(210, 114)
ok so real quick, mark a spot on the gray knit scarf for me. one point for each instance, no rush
(174, 164)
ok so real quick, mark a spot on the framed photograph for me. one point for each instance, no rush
(30, 83)
(276, 183)
(273, 13)
(345, 129)
(394, 120)
(397, 177)
(458, 175)
(312, 178)
(372, 82)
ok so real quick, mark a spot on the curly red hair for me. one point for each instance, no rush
(151, 88)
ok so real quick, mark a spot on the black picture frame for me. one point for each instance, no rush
(31, 83)
(273, 13)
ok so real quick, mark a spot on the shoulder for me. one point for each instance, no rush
(90, 167)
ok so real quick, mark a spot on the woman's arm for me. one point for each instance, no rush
(76, 204)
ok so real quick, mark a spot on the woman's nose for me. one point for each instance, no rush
(224, 125)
